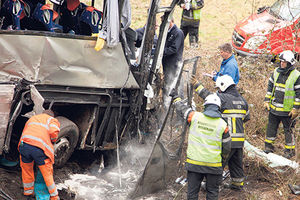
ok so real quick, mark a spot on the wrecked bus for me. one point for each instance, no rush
(95, 95)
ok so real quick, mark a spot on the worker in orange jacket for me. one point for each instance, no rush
(36, 146)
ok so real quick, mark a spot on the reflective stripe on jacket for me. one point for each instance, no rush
(234, 118)
(194, 13)
(41, 131)
(205, 141)
(287, 88)
(234, 110)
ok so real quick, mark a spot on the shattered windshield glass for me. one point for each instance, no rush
(286, 9)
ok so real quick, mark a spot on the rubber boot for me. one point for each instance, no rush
(269, 148)
(233, 186)
(289, 153)
(40, 187)
(193, 43)
(47, 172)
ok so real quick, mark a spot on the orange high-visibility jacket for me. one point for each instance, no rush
(41, 131)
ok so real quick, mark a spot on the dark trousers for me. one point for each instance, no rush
(191, 28)
(213, 181)
(288, 124)
(235, 164)
(31, 153)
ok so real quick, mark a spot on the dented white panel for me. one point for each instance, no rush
(63, 61)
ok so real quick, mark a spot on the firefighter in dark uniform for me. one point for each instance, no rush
(235, 111)
(283, 102)
(208, 143)
(190, 19)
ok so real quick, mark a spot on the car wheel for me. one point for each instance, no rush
(66, 142)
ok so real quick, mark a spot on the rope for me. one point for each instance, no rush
(179, 191)
(117, 122)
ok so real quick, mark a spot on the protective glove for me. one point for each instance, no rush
(194, 81)
(101, 37)
(266, 105)
(99, 44)
(174, 95)
(294, 113)
(197, 85)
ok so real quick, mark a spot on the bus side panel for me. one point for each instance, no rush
(6, 96)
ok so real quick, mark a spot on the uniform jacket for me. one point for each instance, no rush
(279, 92)
(187, 15)
(199, 166)
(173, 49)
(229, 67)
(234, 110)
(41, 131)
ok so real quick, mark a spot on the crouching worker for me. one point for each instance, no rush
(36, 146)
(209, 144)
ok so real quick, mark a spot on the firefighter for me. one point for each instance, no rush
(190, 19)
(208, 143)
(283, 102)
(36, 146)
(235, 111)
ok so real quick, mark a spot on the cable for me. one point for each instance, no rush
(179, 191)
(117, 123)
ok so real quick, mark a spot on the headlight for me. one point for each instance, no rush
(254, 42)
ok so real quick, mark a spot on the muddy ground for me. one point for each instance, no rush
(257, 185)
(262, 182)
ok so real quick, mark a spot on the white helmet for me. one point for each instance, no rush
(213, 99)
(223, 82)
(287, 56)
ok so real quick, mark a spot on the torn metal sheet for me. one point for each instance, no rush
(6, 96)
(67, 61)
(162, 162)
(38, 102)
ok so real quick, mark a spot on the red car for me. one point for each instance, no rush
(270, 31)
